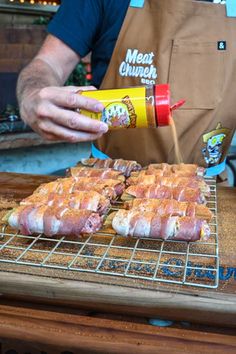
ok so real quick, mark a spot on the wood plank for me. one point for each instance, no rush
(80, 333)
(227, 226)
(19, 185)
(215, 308)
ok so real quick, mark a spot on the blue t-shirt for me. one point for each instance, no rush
(91, 25)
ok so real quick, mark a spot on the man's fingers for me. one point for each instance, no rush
(78, 88)
(70, 99)
(52, 112)
(74, 120)
(52, 131)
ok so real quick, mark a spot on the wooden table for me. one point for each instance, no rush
(54, 314)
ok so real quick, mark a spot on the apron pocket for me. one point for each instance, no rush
(196, 73)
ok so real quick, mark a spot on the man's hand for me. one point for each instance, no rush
(53, 112)
(51, 109)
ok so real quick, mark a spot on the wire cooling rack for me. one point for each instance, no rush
(178, 262)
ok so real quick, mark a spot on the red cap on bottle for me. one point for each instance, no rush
(162, 104)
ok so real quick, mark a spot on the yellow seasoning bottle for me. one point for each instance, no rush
(134, 107)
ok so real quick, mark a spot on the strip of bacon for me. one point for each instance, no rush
(148, 224)
(89, 200)
(95, 162)
(181, 194)
(188, 169)
(125, 166)
(170, 207)
(173, 181)
(109, 188)
(54, 221)
(60, 186)
(93, 183)
(163, 173)
(103, 173)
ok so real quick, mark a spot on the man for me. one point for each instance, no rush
(189, 45)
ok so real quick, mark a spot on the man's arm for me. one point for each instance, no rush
(49, 108)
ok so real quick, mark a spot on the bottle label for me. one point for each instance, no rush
(124, 108)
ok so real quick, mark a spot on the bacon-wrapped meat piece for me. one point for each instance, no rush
(30, 219)
(103, 173)
(151, 225)
(173, 181)
(124, 166)
(182, 169)
(163, 192)
(110, 188)
(60, 186)
(170, 207)
(104, 186)
(89, 200)
(163, 173)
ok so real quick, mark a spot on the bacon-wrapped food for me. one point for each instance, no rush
(180, 169)
(89, 200)
(173, 181)
(151, 225)
(182, 194)
(170, 207)
(108, 187)
(124, 166)
(31, 219)
(103, 173)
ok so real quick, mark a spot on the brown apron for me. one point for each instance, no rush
(190, 45)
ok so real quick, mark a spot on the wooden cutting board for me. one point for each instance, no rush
(101, 294)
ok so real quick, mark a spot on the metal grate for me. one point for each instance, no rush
(178, 262)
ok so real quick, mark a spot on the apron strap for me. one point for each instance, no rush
(216, 170)
(231, 8)
(97, 153)
(137, 3)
